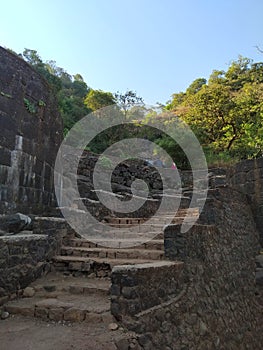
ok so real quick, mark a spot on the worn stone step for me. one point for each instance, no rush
(127, 231)
(180, 214)
(156, 224)
(67, 307)
(142, 227)
(54, 283)
(157, 244)
(58, 297)
(99, 267)
(113, 253)
(124, 235)
(120, 234)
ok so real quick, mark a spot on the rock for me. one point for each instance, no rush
(122, 344)
(50, 288)
(25, 310)
(2, 233)
(259, 261)
(14, 222)
(4, 315)
(203, 328)
(113, 326)
(92, 317)
(259, 277)
(74, 315)
(56, 314)
(29, 292)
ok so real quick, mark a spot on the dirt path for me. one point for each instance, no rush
(22, 333)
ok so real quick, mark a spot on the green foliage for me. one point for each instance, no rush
(126, 101)
(41, 103)
(195, 86)
(69, 90)
(30, 106)
(76, 99)
(219, 159)
(97, 99)
(226, 113)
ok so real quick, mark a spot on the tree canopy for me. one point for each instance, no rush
(226, 113)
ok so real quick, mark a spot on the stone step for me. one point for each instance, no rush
(153, 221)
(151, 227)
(113, 253)
(142, 227)
(127, 231)
(156, 244)
(67, 307)
(123, 235)
(97, 267)
(56, 283)
(65, 298)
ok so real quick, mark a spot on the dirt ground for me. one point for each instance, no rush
(22, 333)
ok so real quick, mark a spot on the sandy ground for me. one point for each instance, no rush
(22, 333)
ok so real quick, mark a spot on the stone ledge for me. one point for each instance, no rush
(23, 237)
(125, 268)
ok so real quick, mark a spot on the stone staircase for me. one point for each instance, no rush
(77, 288)
(80, 256)
(57, 297)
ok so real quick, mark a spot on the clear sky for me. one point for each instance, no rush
(153, 47)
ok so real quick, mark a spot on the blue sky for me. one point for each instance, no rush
(153, 47)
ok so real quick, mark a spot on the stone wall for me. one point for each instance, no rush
(247, 177)
(121, 180)
(25, 256)
(217, 307)
(31, 131)
(140, 287)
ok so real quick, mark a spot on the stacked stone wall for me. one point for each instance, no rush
(247, 177)
(140, 287)
(217, 307)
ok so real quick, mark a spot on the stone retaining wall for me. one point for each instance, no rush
(139, 287)
(217, 307)
(24, 257)
(247, 177)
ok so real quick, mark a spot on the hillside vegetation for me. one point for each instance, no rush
(225, 112)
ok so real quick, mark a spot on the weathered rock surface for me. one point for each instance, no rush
(14, 223)
(31, 132)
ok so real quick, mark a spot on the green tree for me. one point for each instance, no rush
(126, 101)
(227, 112)
(97, 99)
(195, 86)
(69, 90)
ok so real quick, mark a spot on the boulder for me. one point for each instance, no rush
(14, 223)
